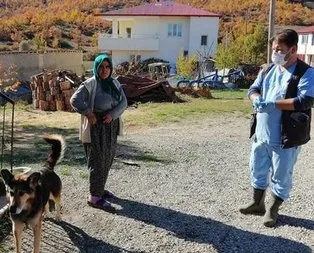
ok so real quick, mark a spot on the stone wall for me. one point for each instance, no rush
(31, 63)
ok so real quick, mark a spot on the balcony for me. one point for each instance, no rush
(135, 43)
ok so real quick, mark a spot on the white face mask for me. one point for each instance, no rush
(279, 58)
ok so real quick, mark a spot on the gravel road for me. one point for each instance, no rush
(180, 187)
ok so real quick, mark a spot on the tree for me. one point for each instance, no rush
(186, 65)
(249, 48)
(39, 41)
(228, 56)
(256, 45)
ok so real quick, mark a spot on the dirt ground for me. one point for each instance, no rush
(179, 189)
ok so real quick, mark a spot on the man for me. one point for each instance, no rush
(282, 96)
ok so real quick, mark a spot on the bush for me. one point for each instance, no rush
(65, 44)
(25, 45)
(186, 65)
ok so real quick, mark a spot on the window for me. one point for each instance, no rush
(304, 39)
(185, 53)
(204, 40)
(128, 32)
(313, 39)
(174, 30)
(179, 30)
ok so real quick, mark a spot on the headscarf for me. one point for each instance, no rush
(107, 84)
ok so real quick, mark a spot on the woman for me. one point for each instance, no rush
(101, 101)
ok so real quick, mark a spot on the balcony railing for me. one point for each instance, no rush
(143, 42)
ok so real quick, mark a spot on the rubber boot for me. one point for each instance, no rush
(257, 206)
(271, 215)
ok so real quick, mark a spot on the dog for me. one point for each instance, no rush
(29, 195)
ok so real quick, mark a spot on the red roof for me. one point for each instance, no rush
(309, 29)
(162, 8)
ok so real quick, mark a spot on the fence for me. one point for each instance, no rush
(31, 63)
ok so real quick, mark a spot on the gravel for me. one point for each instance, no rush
(180, 187)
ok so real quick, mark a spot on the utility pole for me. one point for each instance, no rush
(271, 21)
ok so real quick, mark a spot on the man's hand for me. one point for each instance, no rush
(257, 102)
(266, 106)
(107, 118)
(91, 117)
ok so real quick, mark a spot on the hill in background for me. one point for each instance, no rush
(36, 24)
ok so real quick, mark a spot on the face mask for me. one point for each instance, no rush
(279, 58)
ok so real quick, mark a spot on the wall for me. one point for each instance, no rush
(29, 63)
(203, 26)
(171, 47)
(306, 51)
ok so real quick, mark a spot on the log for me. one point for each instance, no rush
(66, 85)
(60, 106)
(43, 105)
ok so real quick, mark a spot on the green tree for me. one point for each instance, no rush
(256, 45)
(227, 56)
(186, 65)
(249, 48)
(39, 42)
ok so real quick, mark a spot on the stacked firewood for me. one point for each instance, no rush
(52, 91)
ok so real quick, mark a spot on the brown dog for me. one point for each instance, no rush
(29, 194)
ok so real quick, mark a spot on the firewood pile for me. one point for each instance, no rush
(51, 91)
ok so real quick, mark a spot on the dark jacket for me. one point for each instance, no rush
(296, 125)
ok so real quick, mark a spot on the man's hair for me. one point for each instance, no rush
(288, 37)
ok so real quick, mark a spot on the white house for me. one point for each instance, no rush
(306, 45)
(162, 30)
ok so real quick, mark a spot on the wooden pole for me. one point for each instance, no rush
(271, 21)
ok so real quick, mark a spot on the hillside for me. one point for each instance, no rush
(71, 23)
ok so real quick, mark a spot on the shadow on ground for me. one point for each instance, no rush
(295, 222)
(30, 148)
(79, 239)
(224, 238)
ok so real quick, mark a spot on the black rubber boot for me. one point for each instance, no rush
(257, 206)
(271, 215)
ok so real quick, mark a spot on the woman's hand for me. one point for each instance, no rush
(107, 118)
(91, 117)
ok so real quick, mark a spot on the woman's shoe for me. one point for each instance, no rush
(108, 195)
(102, 204)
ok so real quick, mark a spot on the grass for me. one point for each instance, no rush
(30, 125)
(66, 171)
(144, 115)
(153, 114)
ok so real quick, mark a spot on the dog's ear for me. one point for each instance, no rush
(33, 180)
(7, 176)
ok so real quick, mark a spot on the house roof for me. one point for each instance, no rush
(161, 8)
(309, 29)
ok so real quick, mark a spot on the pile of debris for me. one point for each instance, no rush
(51, 91)
(197, 92)
(141, 89)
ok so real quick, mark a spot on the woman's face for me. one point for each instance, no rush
(104, 70)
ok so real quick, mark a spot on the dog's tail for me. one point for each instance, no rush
(58, 147)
